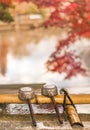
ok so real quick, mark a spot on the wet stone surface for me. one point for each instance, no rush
(44, 122)
(21, 120)
(26, 125)
(23, 108)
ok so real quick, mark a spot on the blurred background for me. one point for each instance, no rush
(45, 42)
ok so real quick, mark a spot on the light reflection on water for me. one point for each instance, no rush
(25, 62)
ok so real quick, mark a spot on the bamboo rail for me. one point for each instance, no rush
(40, 99)
(9, 94)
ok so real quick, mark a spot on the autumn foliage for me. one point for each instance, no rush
(73, 15)
(7, 2)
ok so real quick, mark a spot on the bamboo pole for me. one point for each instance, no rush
(40, 99)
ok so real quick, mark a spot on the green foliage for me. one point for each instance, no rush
(5, 15)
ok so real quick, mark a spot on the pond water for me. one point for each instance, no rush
(24, 56)
(23, 60)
